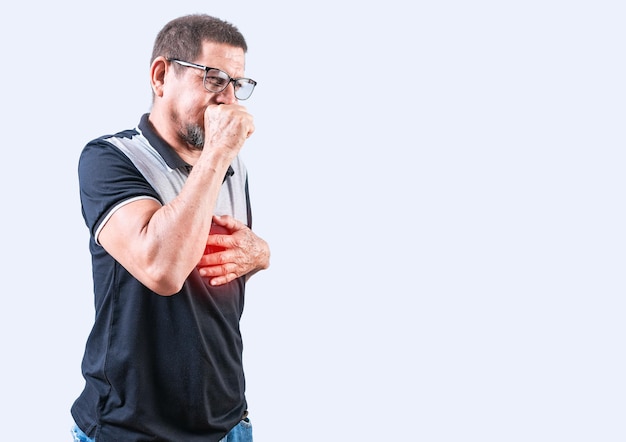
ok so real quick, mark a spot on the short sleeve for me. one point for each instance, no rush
(108, 179)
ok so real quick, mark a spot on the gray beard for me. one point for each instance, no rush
(194, 136)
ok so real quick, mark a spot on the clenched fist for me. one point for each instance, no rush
(226, 127)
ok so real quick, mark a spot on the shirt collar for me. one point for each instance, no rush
(173, 160)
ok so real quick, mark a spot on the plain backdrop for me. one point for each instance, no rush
(441, 183)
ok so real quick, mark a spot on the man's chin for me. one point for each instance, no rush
(195, 137)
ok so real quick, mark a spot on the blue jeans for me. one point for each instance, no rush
(79, 436)
(242, 432)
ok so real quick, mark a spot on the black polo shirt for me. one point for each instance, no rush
(156, 368)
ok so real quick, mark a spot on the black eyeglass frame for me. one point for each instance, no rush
(206, 70)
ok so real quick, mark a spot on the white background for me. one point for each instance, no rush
(442, 184)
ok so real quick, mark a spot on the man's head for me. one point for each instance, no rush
(197, 61)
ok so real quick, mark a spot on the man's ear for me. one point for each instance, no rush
(158, 70)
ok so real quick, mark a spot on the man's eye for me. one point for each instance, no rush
(217, 81)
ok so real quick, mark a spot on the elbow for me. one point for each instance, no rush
(166, 290)
(164, 282)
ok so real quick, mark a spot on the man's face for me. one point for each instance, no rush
(188, 98)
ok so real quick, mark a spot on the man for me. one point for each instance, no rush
(163, 361)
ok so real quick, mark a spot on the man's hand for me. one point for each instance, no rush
(236, 252)
(227, 126)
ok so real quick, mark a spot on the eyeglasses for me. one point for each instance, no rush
(216, 80)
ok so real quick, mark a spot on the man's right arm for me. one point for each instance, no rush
(161, 245)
